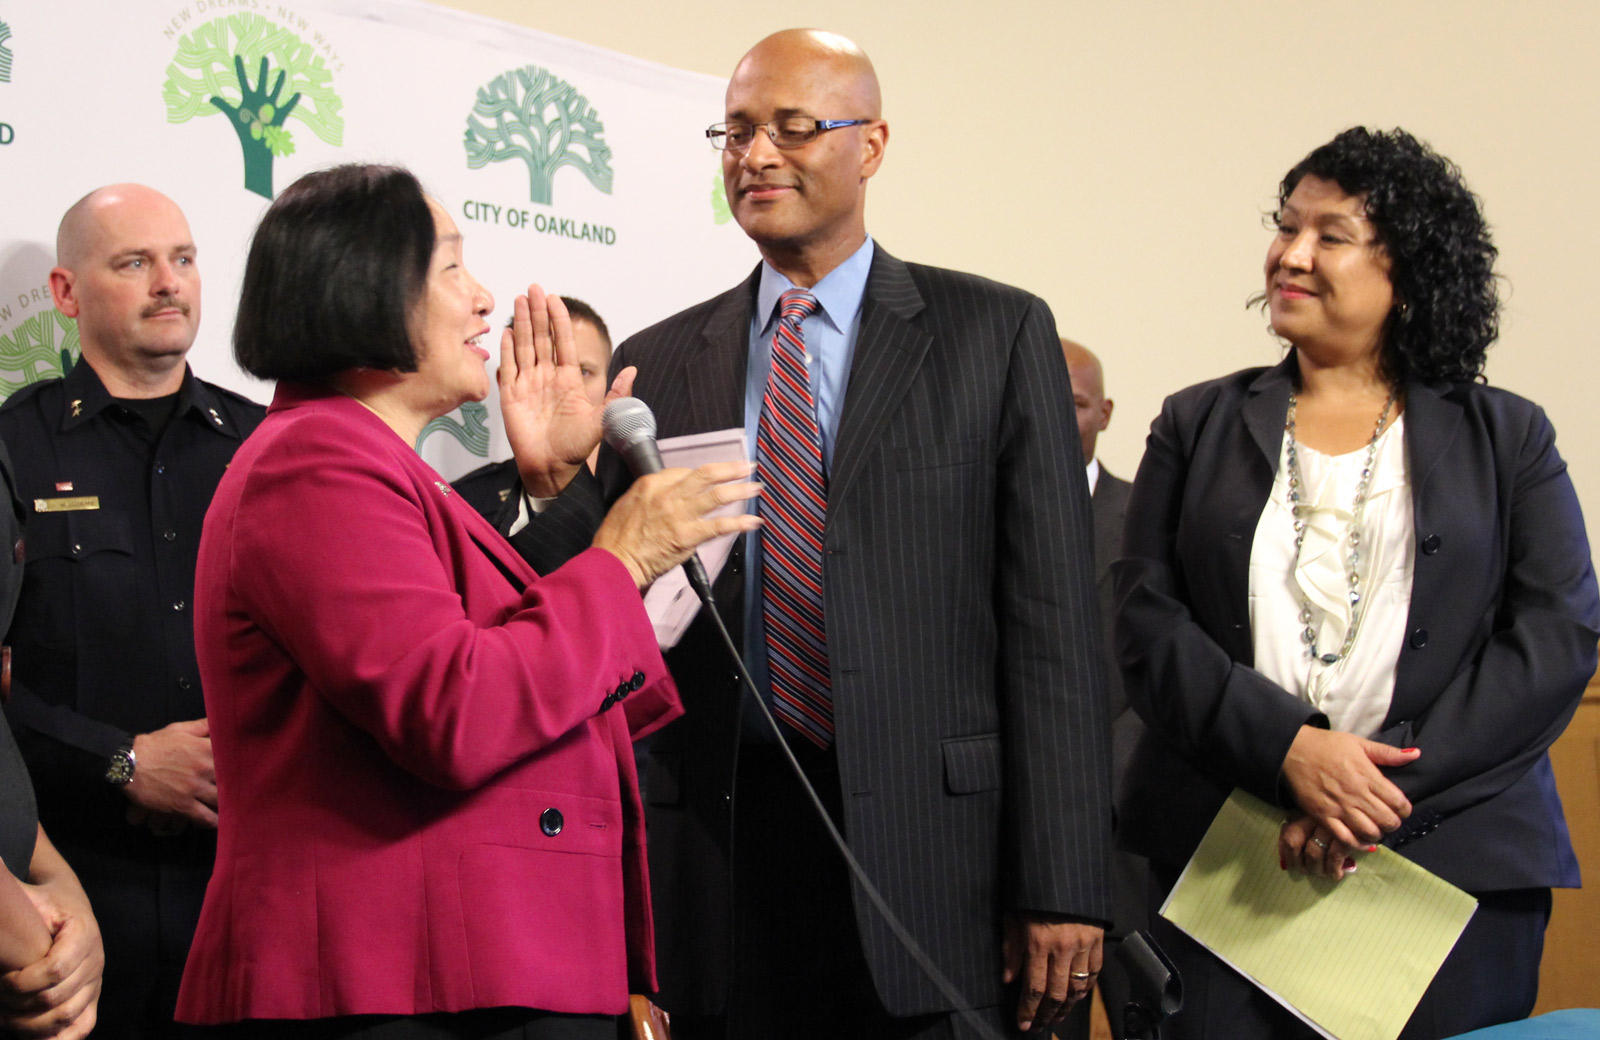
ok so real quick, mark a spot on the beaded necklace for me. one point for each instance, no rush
(1309, 634)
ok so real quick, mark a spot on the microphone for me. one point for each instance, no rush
(630, 431)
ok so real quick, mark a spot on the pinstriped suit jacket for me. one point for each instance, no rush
(968, 671)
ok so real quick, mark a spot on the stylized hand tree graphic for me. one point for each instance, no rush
(208, 76)
(529, 114)
(5, 53)
(43, 346)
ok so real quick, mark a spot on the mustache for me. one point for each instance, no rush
(164, 303)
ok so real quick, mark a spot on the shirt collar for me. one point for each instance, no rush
(1092, 471)
(86, 397)
(839, 292)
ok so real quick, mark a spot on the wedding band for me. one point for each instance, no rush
(1319, 843)
(1082, 976)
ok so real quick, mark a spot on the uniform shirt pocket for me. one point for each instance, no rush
(80, 582)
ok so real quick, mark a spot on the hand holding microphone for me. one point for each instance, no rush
(659, 522)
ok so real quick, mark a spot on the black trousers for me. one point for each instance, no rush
(147, 913)
(483, 1024)
(1490, 977)
(799, 972)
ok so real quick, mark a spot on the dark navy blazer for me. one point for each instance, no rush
(1500, 639)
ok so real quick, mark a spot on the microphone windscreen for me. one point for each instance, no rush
(628, 420)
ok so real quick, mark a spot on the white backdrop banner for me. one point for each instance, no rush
(579, 168)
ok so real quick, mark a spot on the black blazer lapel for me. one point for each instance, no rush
(1433, 423)
(714, 368)
(1243, 476)
(1266, 406)
(890, 347)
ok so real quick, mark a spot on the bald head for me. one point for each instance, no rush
(84, 223)
(1088, 394)
(125, 271)
(827, 59)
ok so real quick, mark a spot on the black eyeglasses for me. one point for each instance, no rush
(788, 132)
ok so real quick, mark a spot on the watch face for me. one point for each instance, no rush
(120, 769)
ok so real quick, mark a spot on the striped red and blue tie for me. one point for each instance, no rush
(794, 505)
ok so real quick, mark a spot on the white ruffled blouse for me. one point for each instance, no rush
(1355, 691)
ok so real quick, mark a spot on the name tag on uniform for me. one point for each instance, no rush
(66, 505)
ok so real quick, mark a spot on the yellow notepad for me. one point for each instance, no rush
(1349, 957)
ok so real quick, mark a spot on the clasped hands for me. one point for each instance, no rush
(553, 427)
(54, 988)
(1346, 803)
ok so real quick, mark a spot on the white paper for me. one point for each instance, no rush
(670, 601)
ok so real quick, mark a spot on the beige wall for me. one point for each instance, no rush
(1116, 158)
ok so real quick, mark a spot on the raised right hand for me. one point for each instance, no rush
(173, 772)
(662, 518)
(1336, 780)
(550, 422)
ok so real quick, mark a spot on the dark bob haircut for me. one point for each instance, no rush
(335, 270)
(1447, 301)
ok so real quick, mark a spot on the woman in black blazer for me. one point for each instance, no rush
(1357, 585)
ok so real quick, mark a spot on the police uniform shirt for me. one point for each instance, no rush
(103, 637)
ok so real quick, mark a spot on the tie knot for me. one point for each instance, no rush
(796, 306)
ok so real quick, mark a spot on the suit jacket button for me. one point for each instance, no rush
(1430, 545)
(636, 681)
(550, 822)
(1419, 639)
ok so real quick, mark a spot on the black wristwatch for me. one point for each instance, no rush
(119, 767)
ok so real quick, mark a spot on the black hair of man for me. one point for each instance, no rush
(581, 311)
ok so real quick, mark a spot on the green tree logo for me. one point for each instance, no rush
(5, 53)
(529, 114)
(44, 346)
(209, 75)
(472, 431)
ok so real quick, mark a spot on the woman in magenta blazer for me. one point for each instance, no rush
(427, 799)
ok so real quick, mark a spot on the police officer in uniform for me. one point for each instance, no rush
(116, 464)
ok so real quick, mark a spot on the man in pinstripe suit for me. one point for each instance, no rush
(965, 756)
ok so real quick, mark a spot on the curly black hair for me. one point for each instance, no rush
(1447, 301)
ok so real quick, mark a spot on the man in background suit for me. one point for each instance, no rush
(1109, 499)
(946, 691)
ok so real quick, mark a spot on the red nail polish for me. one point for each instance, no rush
(1408, 750)
(1372, 848)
